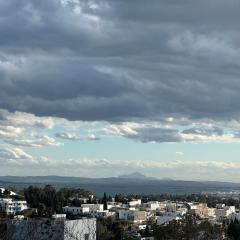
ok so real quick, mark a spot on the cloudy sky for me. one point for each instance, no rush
(100, 88)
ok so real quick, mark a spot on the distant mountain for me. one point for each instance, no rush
(134, 183)
(167, 179)
(135, 175)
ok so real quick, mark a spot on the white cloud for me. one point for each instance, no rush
(123, 129)
(23, 129)
(7, 132)
(10, 155)
(68, 136)
(15, 156)
(75, 137)
(21, 119)
(35, 141)
(19, 129)
(91, 137)
(169, 131)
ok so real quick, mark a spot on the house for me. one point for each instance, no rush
(135, 203)
(211, 212)
(171, 207)
(103, 214)
(199, 209)
(134, 216)
(73, 210)
(93, 207)
(111, 205)
(10, 206)
(167, 218)
(84, 209)
(224, 212)
(152, 205)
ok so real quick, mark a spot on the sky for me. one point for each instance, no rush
(101, 88)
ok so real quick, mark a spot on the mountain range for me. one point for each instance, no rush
(133, 183)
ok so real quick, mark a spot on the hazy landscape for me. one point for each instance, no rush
(127, 184)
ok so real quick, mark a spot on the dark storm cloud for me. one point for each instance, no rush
(120, 60)
(66, 79)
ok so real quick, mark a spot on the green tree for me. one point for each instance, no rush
(105, 201)
(146, 232)
(6, 193)
(234, 230)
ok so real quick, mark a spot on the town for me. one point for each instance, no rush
(45, 213)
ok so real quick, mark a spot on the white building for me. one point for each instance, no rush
(111, 205)
(163, 205)
(134, 216)
(84, 209)
(152, 205)
(135, 203)
(103, 214)
(200, 209)
(73, 210)
(224, 212)
(211, 212)
(178, 209)
(93, 207)
(167, 218)
(42, 229)
(10, 206)
(220, 205)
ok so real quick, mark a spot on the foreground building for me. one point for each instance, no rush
(48, 229)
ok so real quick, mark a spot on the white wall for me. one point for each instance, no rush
(34, 229)
(83, 229)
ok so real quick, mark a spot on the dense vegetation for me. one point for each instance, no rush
(189, 228)
(108, 229)
(49, 201)
(234, 230)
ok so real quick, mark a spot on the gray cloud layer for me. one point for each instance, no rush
(120, 60)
